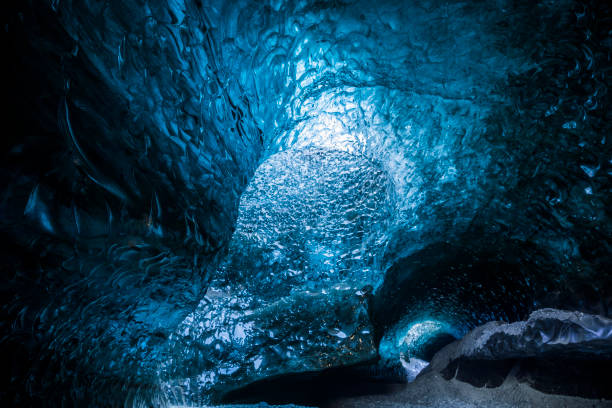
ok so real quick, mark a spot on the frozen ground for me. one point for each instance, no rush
(432, 391)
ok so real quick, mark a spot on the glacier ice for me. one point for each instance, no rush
(200, 194)
(292, 294)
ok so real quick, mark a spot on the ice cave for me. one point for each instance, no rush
(306, 203)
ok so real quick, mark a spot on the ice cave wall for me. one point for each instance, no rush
(138, 125)
(128, 151)
(473, 112)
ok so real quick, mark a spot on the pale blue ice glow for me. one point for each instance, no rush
(421, 331)
(404, 341)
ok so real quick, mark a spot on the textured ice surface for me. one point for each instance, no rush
(229, 343)
(311, 218)
(121, 182)
(292, 294)
(478, 133)
(408, 341)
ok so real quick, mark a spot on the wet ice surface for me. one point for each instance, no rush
(291, 296)
(311, 218)
(222, 348)
(462, 150)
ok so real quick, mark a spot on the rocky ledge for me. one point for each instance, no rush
(553, 351)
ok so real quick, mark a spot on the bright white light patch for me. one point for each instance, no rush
(413, 367)
(418, 333)
(331, 120)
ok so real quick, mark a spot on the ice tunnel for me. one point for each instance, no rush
(331, 203)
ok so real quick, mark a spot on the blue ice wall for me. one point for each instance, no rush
(406, 161)
(121, 183)
(292, 294)
(460, 107)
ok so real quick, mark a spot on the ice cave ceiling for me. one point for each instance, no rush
(198, 195)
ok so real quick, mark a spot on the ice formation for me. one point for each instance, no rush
(198, 195)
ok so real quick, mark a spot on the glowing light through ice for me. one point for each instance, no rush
(420, 332)
(330, 121)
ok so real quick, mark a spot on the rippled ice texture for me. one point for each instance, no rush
(291, 295)
(311, 217)
(473, 111)
(485, 126)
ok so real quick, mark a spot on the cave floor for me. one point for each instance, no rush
(432, 391)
